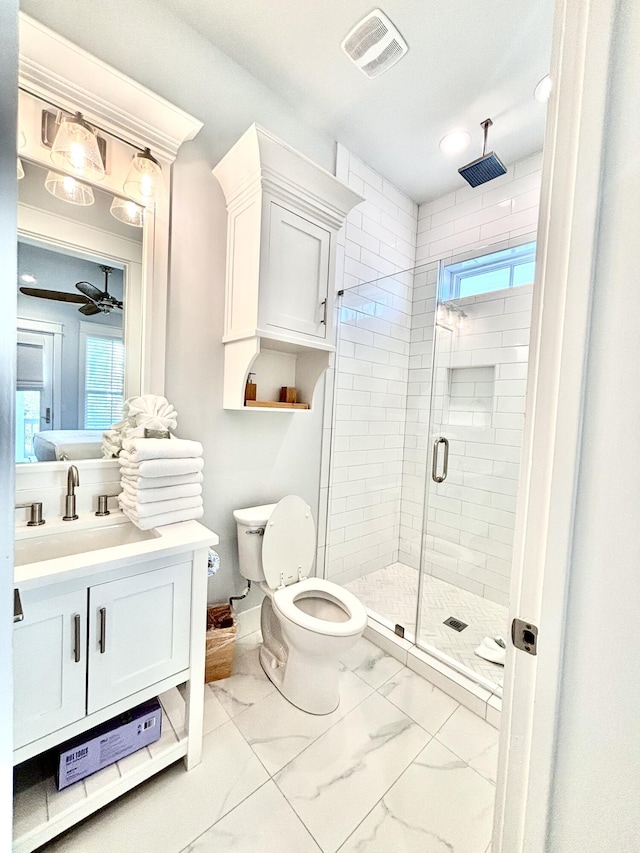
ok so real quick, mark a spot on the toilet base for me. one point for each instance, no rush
(309, 681)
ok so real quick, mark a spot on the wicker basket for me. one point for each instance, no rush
(220, 642)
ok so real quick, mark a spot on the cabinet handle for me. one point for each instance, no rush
(18, 614)
(76, 638)
(103, 630)
(324, 312)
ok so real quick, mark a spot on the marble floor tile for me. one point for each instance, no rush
(214, 714)
(166, 813)
(277, 731)
(371, 663)
(246, 685)
(423, 702)
(438, 805)
(263, 823)
(334, 783)
(248, 643)
(474, 740)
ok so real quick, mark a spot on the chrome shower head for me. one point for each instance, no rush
(485, 168)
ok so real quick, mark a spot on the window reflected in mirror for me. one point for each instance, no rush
(70, 347)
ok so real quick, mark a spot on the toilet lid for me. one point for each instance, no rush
(289, 542)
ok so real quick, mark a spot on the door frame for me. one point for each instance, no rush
(567, 245)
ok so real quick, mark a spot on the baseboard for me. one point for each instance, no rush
(248, 621)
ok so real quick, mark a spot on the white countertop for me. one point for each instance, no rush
(163, 541)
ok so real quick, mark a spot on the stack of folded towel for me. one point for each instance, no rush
(140, 413)
(161, 481)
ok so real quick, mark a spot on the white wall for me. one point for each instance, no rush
(378, 243)
(8, 237)
(595, 804)
(250, 457)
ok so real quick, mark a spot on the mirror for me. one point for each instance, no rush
(79, 268)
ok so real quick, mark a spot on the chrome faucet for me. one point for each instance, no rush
(73, 480)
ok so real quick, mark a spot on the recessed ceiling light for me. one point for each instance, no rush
(28, 279)
(543, 89)
(454, 143)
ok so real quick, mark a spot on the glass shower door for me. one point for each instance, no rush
(475, 433)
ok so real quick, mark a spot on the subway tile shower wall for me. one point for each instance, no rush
(378, 242)
(495, 336)
(376, 484)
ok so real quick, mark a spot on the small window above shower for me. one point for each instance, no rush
(487, 273)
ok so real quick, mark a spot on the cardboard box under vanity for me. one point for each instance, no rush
(105, 744)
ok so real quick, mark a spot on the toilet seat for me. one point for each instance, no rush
(284, 602)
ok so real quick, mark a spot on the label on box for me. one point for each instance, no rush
(109, 742)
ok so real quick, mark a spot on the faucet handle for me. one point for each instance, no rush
(35, 517)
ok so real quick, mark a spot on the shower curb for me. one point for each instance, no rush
(479, 700)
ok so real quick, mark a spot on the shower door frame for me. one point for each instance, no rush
(573, 156)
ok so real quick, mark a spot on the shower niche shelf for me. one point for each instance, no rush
(283, 216)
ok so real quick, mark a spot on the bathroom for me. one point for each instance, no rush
(250, 460)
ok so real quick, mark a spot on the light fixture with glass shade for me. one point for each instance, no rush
(75, 148)
(68, 189)
(144, 178)
(127, 211)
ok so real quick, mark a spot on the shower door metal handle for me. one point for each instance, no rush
(440, 478)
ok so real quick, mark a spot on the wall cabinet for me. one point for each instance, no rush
(284, 213)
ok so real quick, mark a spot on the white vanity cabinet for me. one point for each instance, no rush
(284, 213)
(101, 632)
(138, 634)
(49, 663)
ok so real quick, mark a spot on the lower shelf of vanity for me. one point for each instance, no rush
(41, 812)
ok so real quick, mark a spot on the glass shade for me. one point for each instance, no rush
(75, 149)
(144, 178)
(127, 211)
(68, 189)
(20, 169)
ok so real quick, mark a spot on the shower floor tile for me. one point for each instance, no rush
(392, 592)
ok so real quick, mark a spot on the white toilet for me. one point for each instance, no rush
(307, 622)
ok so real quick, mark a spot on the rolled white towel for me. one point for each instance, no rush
(166, 518)
(137, 510)
(160, 467)
(156, 422)
(142, 449)
(135, 481)
(143, 495)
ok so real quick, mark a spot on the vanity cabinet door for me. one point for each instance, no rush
(50, 661)
(295, 296)
(139, 630)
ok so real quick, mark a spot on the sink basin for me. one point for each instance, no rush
(65, 543)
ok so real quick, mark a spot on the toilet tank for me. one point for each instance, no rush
(249, 523)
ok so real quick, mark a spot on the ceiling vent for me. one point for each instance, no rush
(374, 44)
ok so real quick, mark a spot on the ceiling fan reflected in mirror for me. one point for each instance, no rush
(92, 299)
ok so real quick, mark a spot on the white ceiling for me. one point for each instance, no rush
(467, 60)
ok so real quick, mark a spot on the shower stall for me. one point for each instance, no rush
(428, 404)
